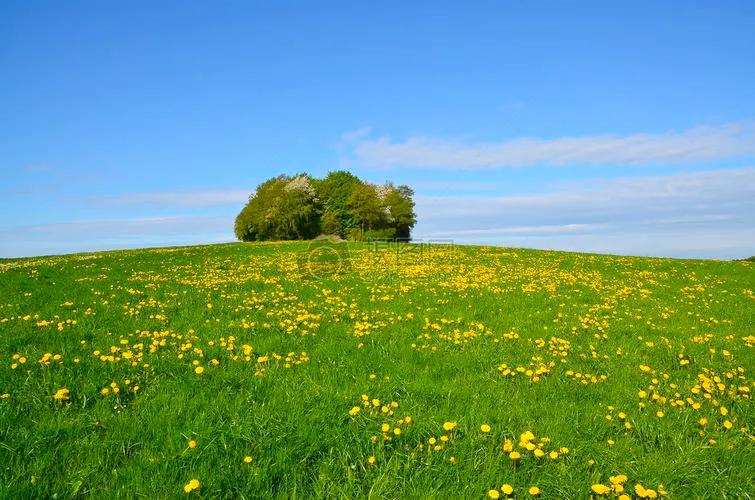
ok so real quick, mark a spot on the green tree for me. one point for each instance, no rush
(300, 207)
(400, 207)
(334, 193)
(298, 212)
(366, 208)
(256, 220)
(282, 208)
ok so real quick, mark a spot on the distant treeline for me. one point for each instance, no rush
(341, 204)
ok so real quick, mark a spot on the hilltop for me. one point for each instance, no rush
(350, 370)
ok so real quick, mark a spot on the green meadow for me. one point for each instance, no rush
(323, 370)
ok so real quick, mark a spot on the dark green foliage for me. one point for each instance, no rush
(366, 208)
(300, 207)
(401, 210)
(282, 208)
(335, 191)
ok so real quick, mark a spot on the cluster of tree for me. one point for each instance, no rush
(301, 207)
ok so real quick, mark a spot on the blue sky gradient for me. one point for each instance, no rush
(594, 126)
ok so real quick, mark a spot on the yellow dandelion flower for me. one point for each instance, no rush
(191, 486)
(526, 437)
(600, 489)
(61, 394)
(449, 426)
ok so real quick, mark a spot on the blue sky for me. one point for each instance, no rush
(597, 126)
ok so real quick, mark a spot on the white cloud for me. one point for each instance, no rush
(353, 136)
(682, 192)
(92, 235)
(185, 199)
(37, 168)
(692, 145)
(703, 214)
(455, 185)
(514, 230)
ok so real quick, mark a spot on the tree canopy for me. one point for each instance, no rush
(301, 207)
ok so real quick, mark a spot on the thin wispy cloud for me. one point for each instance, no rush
(680, 192)
(455, 185)
(135, 226)
(353, 136)
(703, 214)
(101, 234)
(546, 229)
(37, 168)
(183, 199)
(692, 145)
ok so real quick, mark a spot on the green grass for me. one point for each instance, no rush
(434, 327)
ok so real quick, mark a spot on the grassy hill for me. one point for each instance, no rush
(363, 371)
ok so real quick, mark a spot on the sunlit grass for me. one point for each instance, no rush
(248, 370)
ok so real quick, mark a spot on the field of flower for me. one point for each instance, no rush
(380, 371)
